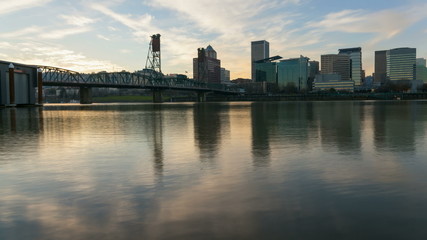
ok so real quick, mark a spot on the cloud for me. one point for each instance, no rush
(385, 24)
(7, 6)
(22, 32)
(61, 33)
(55, 55)
(137, 24)
(77, 20)
(102, 37)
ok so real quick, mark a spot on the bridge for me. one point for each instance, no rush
(150, 78)
(53, 76)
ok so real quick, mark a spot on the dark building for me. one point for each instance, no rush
(206, 67)
(24, 83)
(380, 76)
(313, 70)
(336, 64)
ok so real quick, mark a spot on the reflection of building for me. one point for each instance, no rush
(339, 125)
(355, 55)
(208, 128)
(259, 50)
(293, 72)
(396, 130)
(206, 67)
(401, 64)
(262, 116)
(336, 64)
(380, 76)
(324, 82)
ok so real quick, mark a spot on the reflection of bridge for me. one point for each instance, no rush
(61, 77)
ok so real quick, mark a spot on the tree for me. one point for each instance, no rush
(290, 88)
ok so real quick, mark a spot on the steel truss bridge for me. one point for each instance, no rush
(53, 76)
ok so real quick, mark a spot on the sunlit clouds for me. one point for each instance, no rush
(104, 32)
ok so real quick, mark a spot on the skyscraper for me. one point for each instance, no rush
(421, 70)
(355, 55)
(336, 64)
(401, 64)
(259, 50)
(380, 75)
(206, 67)
(293, 72)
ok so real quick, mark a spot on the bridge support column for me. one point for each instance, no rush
(39, 87)
(201, 96)
(85, 95)
(11, 85)
(157, 96)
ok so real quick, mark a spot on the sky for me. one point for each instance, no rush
(114, 35)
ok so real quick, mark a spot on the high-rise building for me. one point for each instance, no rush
(206, 67)
(293, 72)
(421, 70)
(266, 72)
(313, 70)
(401, 64)
(210, 52)
(421, 62)
(259, 50)
(336, 64)
(380, 75)
(225, 75)
(355, 55)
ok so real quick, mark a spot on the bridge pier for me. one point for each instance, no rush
(39, 87)
(157, 96)
(201, 96)
(85, 95)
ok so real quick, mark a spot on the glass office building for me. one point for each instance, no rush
(355, 55)
(401, 64)
(293, 71)
(266, 72)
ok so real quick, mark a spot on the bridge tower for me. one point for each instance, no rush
(153, 62)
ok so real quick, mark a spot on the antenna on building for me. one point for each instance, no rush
(153, 58)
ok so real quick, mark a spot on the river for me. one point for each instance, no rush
(244, 170)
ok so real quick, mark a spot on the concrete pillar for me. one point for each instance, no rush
(39, 87)
(11, 84)
(201, 96)
(85, 95)
(157, 96)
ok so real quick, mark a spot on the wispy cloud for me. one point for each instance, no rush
(18, 5)
(22, 32)
(55, 55)
(138, 24)
(102, 37)
(77, 20)
(61, 33)
(385, 24)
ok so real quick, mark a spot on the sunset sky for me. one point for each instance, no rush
(113, 35)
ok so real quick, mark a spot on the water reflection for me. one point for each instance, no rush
(210, 123)
(339, 126)
(280, 171)
(398, 119)
(262, 115)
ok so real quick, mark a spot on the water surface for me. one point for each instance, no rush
(280, 170)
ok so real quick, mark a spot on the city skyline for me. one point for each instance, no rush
(113, 35)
